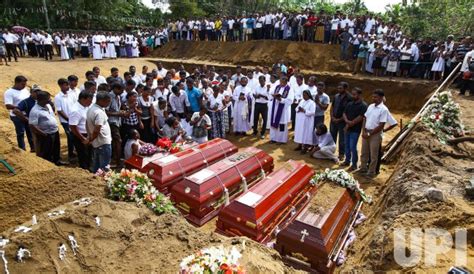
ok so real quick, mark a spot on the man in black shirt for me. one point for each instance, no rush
(425, 57)
(353, 116)
(337, 121)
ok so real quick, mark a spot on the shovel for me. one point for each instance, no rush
(7, 165)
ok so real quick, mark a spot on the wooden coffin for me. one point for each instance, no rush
(172, 168)
(139, 161)
(269, 204)
(315, 236)
(200, 196)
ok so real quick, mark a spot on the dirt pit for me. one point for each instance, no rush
(258, 53)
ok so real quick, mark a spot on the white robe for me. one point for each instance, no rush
(64, 52)
(96, 50)
(240, 112)
(305, 122)
(280, 133)
(135, 50)
(110, 53)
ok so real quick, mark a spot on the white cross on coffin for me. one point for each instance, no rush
(304, 233)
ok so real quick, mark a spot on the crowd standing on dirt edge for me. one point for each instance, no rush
(378, 48)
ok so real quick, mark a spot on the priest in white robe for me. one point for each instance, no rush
(280, 112)
(241, 113)
(111, 52)
(96, 49)
(305, 122)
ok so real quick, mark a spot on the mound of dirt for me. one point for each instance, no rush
(38, 185)
(325, 199)
(130, 239)
(263, 52)
(425, 191)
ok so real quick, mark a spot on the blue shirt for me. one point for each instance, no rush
(26, 105)
(250, 23)
(193, 98)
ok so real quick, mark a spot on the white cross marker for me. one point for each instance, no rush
(304, 233)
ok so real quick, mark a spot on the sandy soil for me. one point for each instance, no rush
(305, 55)
(406, 200)
(400, 199)
(129, 240)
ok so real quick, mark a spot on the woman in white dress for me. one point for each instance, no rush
(64, 53)
(438, 64)
(135, 50)
(305, 122)
(324, 146)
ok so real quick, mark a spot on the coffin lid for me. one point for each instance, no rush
(205, 174)
(261, 190)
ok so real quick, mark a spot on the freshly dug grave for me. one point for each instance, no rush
(425, 191)
(258, 53)
(403, 95)
(38, 186)
(130, 239)
(325, 199)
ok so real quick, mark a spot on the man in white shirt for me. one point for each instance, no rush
(161, 71)
(372, 128)
(268, 25)
(99, 79)
(10, 39)
(334, 27)
(261, 95)
(48, 46)
(98, 132)
(39, 44)
(12, 97)
(178, 102)
(64, 101)
(77, 125)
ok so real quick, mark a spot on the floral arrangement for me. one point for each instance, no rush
(213, 260)
(442, 117)
(175, 148)
(342, 178)
(134, 186)
(147, 150)
(164, 143)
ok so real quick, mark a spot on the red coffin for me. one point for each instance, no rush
(268, 204)
(201, 195)
(167, 171)
(139, 161)
(319, 236)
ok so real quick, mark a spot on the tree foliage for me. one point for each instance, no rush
(79, 14)
(434, 18)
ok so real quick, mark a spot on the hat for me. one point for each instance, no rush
(35, 87)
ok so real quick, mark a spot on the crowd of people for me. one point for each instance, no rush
(378, 48)
(108, 118)
(69, 45)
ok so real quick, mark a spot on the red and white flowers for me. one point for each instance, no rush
(134, 186)
(443, 117)
(213, 260)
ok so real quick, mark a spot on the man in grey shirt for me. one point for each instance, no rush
(99, 134)
(322, 102)
(43, 123)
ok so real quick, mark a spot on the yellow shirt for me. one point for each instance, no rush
(218, 24)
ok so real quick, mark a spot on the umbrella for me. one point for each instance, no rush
(20, 29)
